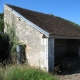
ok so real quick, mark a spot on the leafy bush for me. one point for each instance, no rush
(4, 44)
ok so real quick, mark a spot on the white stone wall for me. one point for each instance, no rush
(36, 46)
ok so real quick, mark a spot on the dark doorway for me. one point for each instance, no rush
(66, 53)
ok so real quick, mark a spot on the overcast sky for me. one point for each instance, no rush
(68, 9)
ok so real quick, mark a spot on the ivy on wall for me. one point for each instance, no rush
(13, 40)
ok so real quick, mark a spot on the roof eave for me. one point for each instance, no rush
(63, 37)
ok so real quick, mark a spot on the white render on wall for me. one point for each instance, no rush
(48, 55)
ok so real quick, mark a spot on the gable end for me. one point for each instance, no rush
(29, 22)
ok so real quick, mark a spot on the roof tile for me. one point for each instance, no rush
(50, 23)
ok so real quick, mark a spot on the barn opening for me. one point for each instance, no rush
(67, 53)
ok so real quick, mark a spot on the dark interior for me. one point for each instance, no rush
(66, 53)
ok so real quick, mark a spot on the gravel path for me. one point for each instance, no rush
(69, 76)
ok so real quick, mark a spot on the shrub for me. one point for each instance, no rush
(4, 43)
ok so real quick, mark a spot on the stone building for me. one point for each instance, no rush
(48, 38)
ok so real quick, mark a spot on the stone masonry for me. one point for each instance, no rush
(37, 48)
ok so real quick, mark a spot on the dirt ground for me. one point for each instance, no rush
(69, 75)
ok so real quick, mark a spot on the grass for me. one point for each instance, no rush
(19, 72)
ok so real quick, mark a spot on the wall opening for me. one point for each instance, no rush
(66, 53)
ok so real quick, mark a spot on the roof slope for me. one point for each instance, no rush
(52, 24)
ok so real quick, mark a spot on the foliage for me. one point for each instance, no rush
(1, 22)
(4, 44)
(13, 40)
(77, 25)
(24, 73)
(3, 40)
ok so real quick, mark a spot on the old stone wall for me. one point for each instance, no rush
(36, 46)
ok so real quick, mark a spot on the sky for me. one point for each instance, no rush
(67, 9)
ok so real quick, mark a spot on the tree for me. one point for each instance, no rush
(4, 41)
(1, 22)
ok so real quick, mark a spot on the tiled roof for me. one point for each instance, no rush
(50, 23)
